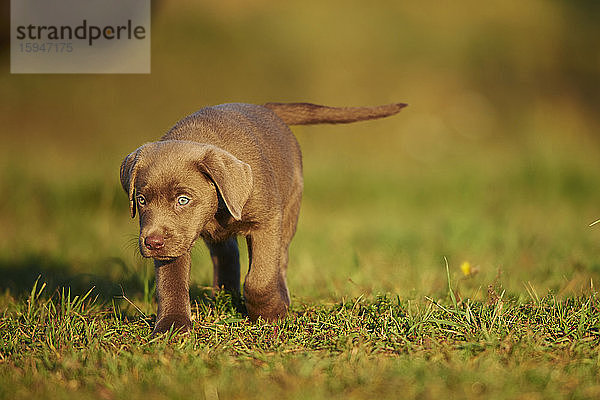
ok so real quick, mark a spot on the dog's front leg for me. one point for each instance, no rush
(172, 291)
(265, 289)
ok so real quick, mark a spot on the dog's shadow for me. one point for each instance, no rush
(117, 282)
(19, 276)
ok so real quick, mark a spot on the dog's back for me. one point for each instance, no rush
(255, 135)
(260, 136)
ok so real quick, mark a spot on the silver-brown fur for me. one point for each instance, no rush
(227, 170)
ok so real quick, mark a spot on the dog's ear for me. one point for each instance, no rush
(232, 177)
(128, 172)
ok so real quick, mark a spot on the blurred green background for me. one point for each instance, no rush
(494, 162)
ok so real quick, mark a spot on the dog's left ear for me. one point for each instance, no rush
(232, 176)
(128, 172)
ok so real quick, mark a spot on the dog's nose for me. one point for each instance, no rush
(154, 242)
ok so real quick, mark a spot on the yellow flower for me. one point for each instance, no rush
(466, 269)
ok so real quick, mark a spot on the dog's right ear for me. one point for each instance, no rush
(128, 173)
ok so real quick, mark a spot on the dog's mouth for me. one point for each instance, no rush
(166, 253)
(160, 255)
(165, 259)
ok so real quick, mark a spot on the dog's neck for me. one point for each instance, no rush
(223, 226)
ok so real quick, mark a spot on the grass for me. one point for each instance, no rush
(57, 345)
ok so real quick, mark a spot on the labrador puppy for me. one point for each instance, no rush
(224, 171)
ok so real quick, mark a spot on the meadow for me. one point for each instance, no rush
(442, 253)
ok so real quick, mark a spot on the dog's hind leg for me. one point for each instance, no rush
(225, 256)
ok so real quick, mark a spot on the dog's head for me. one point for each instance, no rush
(176, 187)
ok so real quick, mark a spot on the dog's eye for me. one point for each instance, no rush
(141, 200)
(183, 200)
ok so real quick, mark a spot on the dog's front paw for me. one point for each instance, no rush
(179, 323)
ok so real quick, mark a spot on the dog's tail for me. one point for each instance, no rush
(307, 113)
